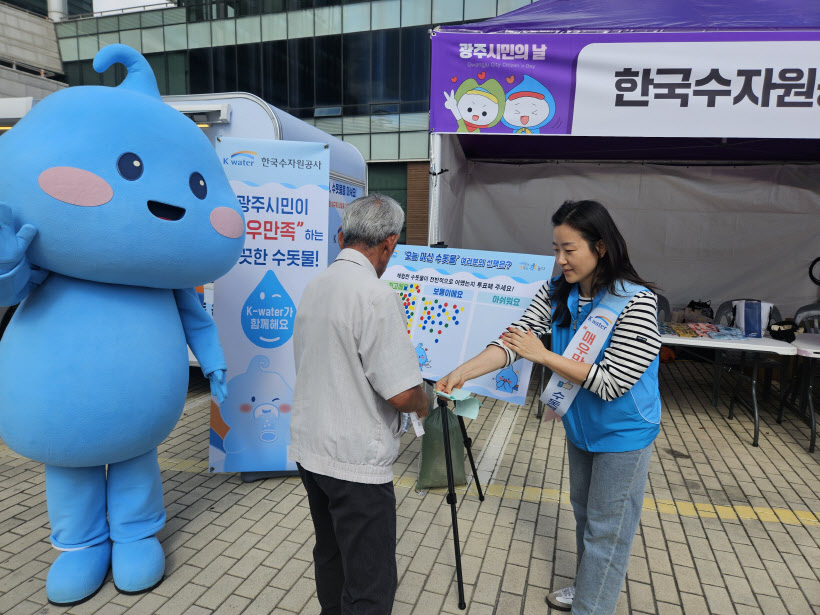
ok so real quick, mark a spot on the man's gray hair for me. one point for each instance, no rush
(371, 219)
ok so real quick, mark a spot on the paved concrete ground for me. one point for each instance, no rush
(726, 528)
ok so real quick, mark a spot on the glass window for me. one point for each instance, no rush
(479, 9)
(361, 143)
(224, 69)
(66, 29)
(330, 125)
(177, 72)
(248, 7)
(391, 180)
(384, 123)
(384, 65)
(108, 24)
(171, 17)
(356, 124)
(300, 24)
(150, 19)
(223, 32)
(89, 46)
(274, 27)
(356, 68)
(132, 38)
(356, 17)
(295, 5)
(273, 6)
(275, 73)
(414, 121)
(248, 30)
(199, 35)
(415, 64)
(415, 12)
(385, 14)
(198, 12)
(447, 10)
(157, 62)
(413, 145)
(328, 20)
(68, 50)
(199, 71)
(87, 26)
(109, 38)
(505, 6)
(153, 40)
(88, 75)
(249, 68)
(72, 73)
(176, 37)
(300, 73)
(420, 106)
(130, 22)
(328, 70)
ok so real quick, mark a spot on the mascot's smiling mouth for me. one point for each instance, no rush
(163, 211)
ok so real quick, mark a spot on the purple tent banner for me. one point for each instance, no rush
(675, 84)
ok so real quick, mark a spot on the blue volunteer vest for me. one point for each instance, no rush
(628, 423)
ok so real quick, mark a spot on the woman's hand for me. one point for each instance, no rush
(525, 344)
(454, 380)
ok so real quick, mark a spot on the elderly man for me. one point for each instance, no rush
(356, 370)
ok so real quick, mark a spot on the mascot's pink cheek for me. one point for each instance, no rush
(75, 186)
(284, 408)
(227, 222)
(245, 407)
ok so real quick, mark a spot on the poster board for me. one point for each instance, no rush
(457, 301)
(282, 187)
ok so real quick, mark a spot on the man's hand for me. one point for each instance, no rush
(13, 245)
(411, 400)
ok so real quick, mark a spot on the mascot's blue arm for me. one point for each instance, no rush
(203, 338)
(17, 277)
(19, 282)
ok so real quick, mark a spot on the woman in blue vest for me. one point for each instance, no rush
(604, 359)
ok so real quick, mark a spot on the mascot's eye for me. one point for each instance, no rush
(253, 399)
(198, 186)
(469, 109)
(130, 166)
(483, 113)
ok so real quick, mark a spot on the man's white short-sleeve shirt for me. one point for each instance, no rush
(352, 353)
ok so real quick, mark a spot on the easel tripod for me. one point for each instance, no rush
(451, 492)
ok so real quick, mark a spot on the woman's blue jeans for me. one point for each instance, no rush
(606, 492)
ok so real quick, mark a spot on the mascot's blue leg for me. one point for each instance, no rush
(76, 510)
(136, 513)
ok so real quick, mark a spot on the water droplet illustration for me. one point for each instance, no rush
(268, 313)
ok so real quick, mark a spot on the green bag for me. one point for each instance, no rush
(432, 465)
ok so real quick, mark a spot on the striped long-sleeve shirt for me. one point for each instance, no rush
(635, 342)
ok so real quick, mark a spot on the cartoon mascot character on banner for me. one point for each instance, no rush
(113, 206)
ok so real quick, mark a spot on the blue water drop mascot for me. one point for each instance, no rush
(113, 206)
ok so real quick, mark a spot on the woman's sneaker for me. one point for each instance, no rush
(561, 600)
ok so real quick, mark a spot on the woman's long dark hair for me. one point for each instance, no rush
(593, 222)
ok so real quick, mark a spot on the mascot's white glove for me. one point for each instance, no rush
(13, 245)
(219, 388)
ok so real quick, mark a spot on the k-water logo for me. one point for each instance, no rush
(602, 322)
(243, 158)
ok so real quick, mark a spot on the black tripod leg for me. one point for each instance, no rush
(451, 500)
(468, 444)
